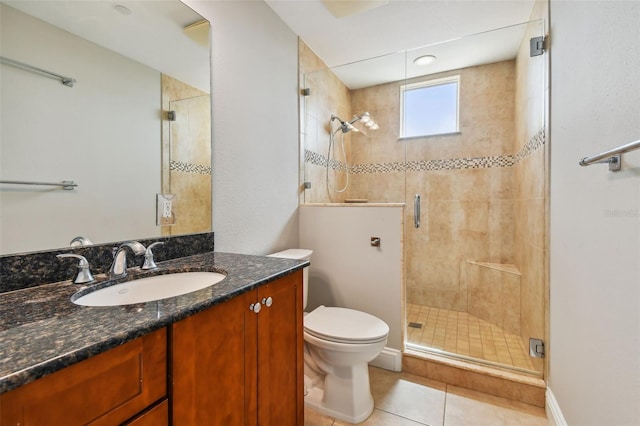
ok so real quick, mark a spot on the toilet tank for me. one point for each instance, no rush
(298, 254)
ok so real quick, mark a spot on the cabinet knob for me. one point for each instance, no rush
(267, 301)
(255, 307)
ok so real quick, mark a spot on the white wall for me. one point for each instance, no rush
(595, 214)
(346, 271)
(255, 131)
(104, 133)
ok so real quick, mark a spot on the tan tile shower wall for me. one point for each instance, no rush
(328, 96)
(186, 156)
(467, 213)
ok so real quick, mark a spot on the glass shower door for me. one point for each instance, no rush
(474, 252)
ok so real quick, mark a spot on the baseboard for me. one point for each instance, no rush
(553, 409)
(389, 359)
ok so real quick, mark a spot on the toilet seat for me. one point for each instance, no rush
(342, 325)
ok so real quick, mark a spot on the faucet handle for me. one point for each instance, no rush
(84, 273)
(149, 263)
(80, 241)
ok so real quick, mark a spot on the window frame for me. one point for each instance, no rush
(425, 84)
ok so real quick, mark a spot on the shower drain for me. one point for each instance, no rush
(415, 325)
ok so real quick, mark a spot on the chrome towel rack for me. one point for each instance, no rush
(613, 157)
(65, 184)
(67, 81)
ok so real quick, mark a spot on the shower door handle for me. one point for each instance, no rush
(416, 211)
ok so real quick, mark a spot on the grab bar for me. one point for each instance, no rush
(67, 81)
(65, 184)
(416, 211)
(613, 157)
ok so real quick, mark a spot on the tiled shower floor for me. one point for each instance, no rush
(465, 334)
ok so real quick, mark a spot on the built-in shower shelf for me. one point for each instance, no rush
(503, 267)
(493, 293)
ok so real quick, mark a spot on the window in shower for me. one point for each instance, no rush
(429, 107)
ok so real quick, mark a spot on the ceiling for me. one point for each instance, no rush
(367, 29)
(443, 26)
(151, 32)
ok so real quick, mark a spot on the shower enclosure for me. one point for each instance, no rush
(474, 228)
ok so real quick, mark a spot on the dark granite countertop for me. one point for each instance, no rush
(42, 331)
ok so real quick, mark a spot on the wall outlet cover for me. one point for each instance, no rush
(165, 214)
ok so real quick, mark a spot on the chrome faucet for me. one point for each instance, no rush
(119, 266)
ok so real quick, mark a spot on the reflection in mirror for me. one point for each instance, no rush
(110, 133)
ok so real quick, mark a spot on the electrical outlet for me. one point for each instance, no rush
(164, 209)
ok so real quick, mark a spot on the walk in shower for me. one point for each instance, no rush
(474, 192)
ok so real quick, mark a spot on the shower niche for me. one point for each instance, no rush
(474, 267)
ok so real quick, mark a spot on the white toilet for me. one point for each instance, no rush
(339, 343)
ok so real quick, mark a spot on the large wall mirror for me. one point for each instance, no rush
(136, 122)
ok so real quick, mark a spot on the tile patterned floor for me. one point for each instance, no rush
(405, 400)
(466, 334)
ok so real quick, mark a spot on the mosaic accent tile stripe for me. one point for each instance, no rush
(378, 168)
(321, 160)
(462, 163)
(537, 141)
(179, 166)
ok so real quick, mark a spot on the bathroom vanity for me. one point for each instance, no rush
(227, 354)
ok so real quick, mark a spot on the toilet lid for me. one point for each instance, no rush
(345, 325)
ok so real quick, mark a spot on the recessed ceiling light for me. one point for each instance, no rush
(424, 60)
(122, 9)
(342, 8)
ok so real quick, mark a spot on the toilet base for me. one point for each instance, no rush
(344, 395)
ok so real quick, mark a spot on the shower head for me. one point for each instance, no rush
(344, 125)
(347, 126)
(366, 119)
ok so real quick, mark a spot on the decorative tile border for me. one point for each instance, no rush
(179, 166)
(378, 168)
(537, 141)
(321, 160)
(462, 163)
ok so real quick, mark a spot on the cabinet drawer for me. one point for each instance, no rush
(156, 416)
(108, 388)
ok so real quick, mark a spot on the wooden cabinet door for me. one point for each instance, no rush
(210, 384)
(280, 353)
(106, 389)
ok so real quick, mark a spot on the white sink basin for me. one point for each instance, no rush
(150, 289)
